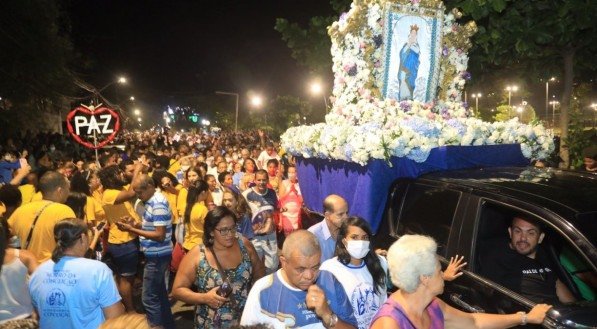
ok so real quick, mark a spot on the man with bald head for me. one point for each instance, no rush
(155, 236)
(335, 212)
(299, 295)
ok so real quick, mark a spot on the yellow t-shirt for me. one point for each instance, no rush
(42, 240)
(37, 197)
(117, 236)
(2, 209)
(98, 195)
(94, 211)
(27, 193)
(172, 201)
(181, 203)
(174, 167)
(194, 229)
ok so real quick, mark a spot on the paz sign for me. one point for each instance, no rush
(93, 127)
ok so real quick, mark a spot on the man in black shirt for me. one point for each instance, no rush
(520, 265)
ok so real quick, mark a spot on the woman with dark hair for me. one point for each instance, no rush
(192, 175)
(15, 302)
(361, 272)
(88, 284)
(249, 167)
(170, 188)
(224, 267)
(194, 215)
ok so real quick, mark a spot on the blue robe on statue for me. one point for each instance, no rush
(407, 73)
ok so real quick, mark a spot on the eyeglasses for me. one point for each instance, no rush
(226, 230)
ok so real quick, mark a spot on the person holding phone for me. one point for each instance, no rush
(224, 258)
(155, 235)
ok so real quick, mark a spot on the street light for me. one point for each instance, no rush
(139, 119)
(477, 96)
(132, 98)
(594, 107)
(553, 117)
(236, 116)
(552, 79)
(316, 88)
(256, 101)
(510, 90)
(137, 112)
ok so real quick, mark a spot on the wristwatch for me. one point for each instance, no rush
(333, 320)
(523, 320)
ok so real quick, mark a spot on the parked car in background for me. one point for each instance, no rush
(464, 210)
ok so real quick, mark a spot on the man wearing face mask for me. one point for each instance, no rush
(335, 212)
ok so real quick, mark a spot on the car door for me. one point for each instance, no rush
(473, 292)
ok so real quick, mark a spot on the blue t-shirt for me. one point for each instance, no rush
(72, 293)
(156, 212)
(262, 205)
(289, 306)
(6, 169)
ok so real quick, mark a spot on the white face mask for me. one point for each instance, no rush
(291, 176)
(357, 248)
(185, 168)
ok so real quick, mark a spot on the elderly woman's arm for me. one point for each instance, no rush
(186, 275)
(457, 319)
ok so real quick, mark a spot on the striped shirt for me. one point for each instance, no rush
(155, 212)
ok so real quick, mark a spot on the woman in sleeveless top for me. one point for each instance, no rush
(15, 301)
(223, 257)
(415, 269)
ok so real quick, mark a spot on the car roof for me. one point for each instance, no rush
(570, 194)
(576, 191)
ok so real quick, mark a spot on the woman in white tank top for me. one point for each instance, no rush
(15, 301)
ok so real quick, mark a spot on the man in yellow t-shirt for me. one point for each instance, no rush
(50, 210)
(122, 246)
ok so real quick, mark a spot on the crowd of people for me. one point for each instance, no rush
(208, 219)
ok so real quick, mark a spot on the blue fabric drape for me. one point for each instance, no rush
(365, 188)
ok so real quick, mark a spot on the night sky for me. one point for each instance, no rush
(174, 49)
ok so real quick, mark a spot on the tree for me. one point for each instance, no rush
(36, 56)
(281, 113)
(541, 36)
(310, 46)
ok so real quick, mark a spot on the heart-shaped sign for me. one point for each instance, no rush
(93, 127)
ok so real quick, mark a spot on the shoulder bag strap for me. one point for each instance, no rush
(26, 245)
(222, 273)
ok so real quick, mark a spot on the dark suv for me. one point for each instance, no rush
(465, 210)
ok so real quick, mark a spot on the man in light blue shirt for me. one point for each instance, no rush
(155, 235)
(335, 211)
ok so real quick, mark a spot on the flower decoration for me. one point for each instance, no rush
(361, 125)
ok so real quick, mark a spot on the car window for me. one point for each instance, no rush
(506, 261)
(428, 210)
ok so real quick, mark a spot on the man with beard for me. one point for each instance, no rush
(522, 266)
(122, 246)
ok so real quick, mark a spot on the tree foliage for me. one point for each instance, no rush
(36, 56)
(36, 61)
(540, 37)
(281, 113)
(311, 45)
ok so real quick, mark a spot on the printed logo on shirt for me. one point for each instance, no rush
(56, 297)
(365, 303)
